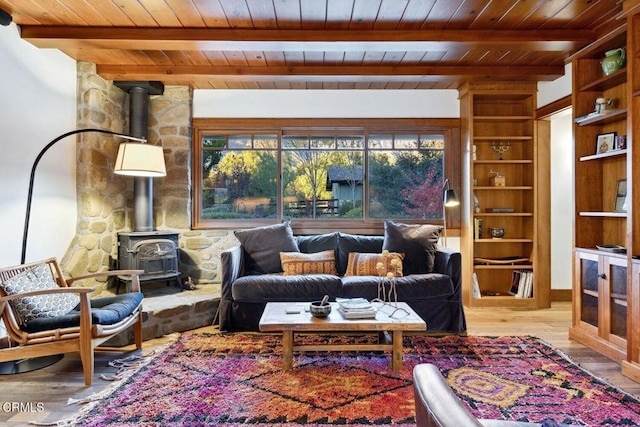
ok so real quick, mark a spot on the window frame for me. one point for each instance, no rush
(450, 128)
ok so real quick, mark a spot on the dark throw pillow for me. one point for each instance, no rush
(264, 244)
(419, 244)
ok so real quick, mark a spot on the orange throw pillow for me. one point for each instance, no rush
(294, 263)
(361, 264)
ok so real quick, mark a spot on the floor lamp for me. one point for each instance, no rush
(133, 159)
(449, 200)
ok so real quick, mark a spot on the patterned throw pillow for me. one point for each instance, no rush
(366, 264)
(315, 263)
(37, 278)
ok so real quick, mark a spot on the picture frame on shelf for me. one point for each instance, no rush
(620, 142)
(605, 142)
(621, 196)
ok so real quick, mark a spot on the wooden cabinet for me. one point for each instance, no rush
(600, 302)
(599, 220)
(505, 186)
(601, 214)
(631, 367)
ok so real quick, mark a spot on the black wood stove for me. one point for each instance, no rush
(155, 252)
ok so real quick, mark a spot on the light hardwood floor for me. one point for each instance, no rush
(51, 387)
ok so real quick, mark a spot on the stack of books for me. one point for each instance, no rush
(356, 308)
(522, 284)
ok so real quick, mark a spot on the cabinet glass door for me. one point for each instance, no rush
(589, 285)
(618, 298)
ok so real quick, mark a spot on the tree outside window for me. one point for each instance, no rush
(321, 176)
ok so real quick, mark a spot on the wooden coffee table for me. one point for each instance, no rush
(276, 319)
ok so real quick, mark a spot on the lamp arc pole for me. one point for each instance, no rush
(25, 232)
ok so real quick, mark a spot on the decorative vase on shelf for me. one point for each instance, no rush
(496, 232)
(614, 60)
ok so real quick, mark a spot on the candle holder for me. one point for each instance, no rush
(388, 269)
(501, 148)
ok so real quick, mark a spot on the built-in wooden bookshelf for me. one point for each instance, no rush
(601, 277)
(501, 139)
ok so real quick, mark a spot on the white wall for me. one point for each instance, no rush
(38, 103)
(552, 91)
(326, 103)
(561, 181)
(561, 202)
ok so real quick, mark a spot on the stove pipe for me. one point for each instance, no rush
(142, 186)
(139, 92)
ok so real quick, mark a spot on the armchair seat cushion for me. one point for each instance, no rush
(104, 311)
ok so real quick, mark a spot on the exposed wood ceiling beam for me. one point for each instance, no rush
(299, 40)
(318, 73)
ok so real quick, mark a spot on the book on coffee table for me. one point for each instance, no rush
(356, 308)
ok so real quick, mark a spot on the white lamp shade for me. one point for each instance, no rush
(136, 159)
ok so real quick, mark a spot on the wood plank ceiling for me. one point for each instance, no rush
(317, 44)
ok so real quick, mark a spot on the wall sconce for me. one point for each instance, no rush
(449, 200)
(134, 159)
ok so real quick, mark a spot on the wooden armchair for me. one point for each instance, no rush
(81, 329)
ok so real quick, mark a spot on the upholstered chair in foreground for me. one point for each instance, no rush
(438, 406)
(44, 315)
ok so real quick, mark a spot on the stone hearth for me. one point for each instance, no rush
(166, 309)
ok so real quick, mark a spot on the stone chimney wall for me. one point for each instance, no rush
(105, 200)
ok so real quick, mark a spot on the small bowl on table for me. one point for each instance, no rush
(318, 309)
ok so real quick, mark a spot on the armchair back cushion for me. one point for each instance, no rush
(37, 278)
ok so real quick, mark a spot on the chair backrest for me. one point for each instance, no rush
(8, 315)
(56, 272)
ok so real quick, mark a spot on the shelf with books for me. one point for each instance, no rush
(504, 172)
(602, 108)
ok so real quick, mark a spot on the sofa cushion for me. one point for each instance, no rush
(419, 244)
(348, 243)
(367, 264)
(277, 287)
(314, 263)
(409, 288)
(264, 244)
(317, 242)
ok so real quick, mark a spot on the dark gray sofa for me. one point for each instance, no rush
(435, 296)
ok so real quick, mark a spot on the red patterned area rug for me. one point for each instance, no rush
(236, 379)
